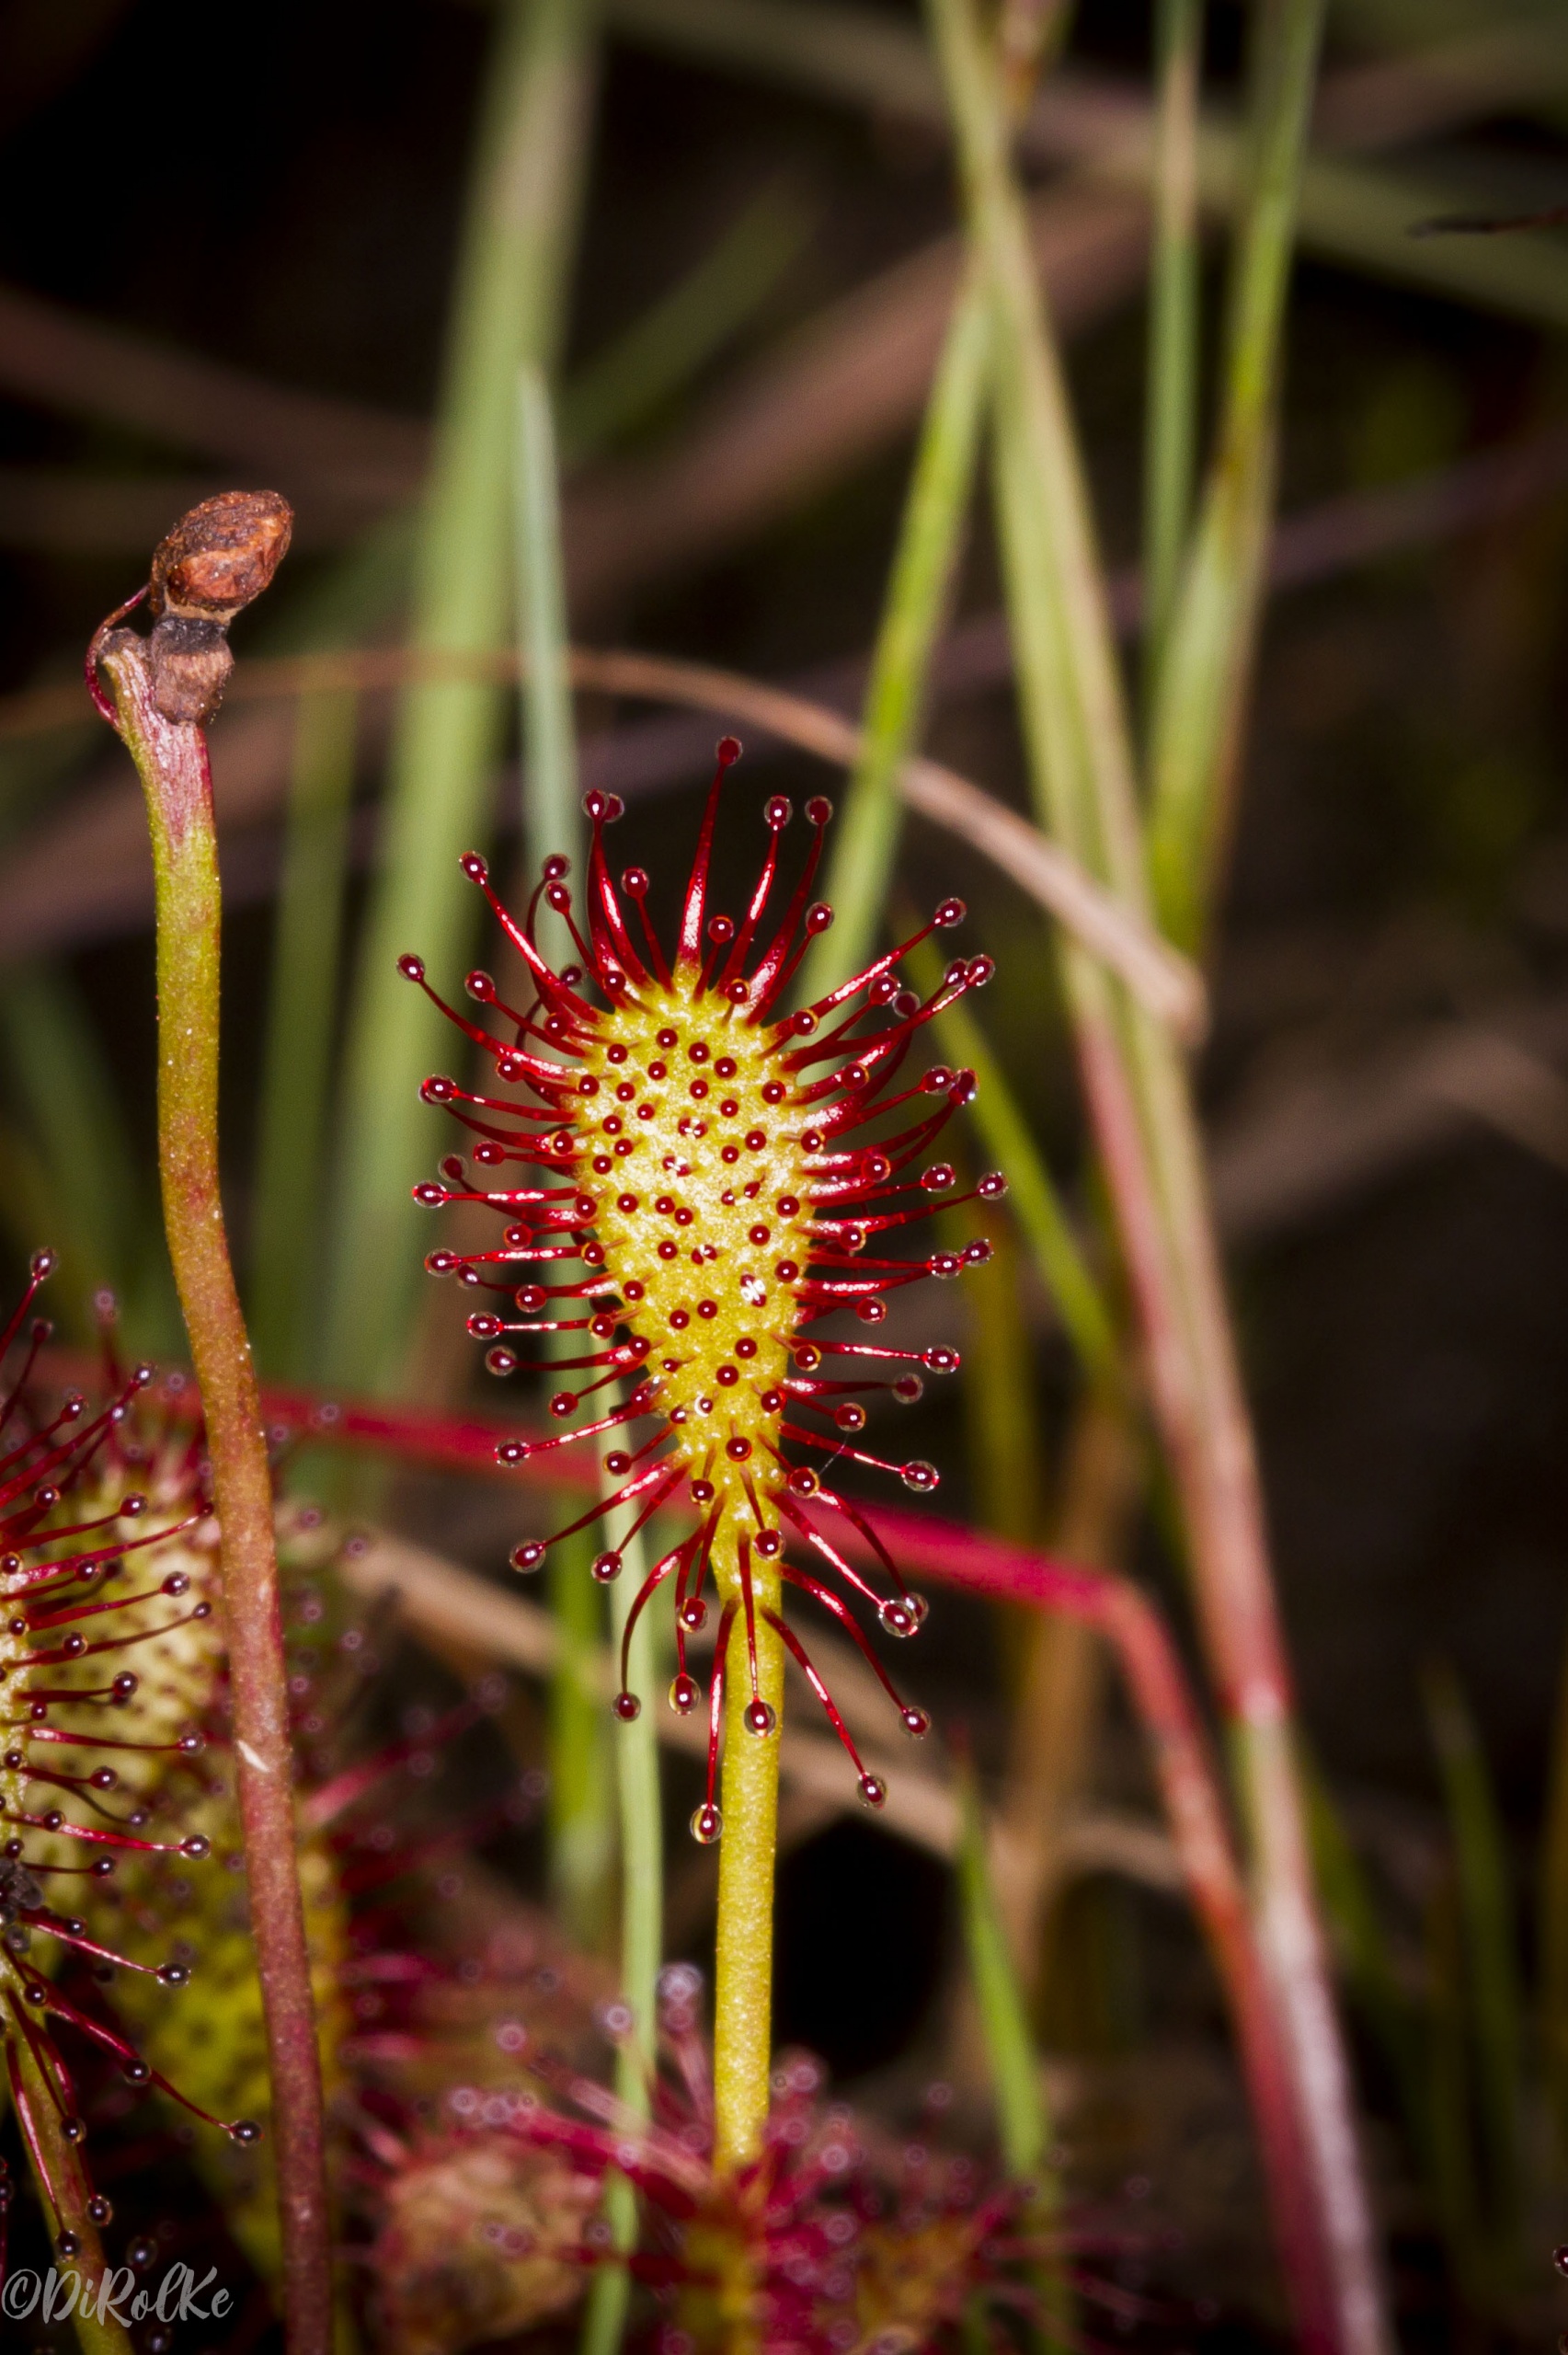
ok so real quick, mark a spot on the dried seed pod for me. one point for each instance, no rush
(220, 557)
(216, 560)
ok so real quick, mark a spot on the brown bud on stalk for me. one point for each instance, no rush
(217, 559)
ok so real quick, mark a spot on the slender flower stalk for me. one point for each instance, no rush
(707, 1178)
(161, 691)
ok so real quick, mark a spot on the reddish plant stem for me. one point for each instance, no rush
(171, 758)
(1191, 1790)
(1154, 1167)
(57, 2172)
(1189, 1784)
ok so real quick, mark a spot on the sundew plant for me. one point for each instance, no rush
(713, 1180)
(422, 1929)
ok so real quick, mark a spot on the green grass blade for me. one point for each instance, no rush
(663, 350)
(1078, 741)
(1171, 398)
(508, 306)
(1366, 1959)
(1023, 2125)
(1362, 214)
(1010, 2044)
(863, 54)
(1354, 214)
(582, 1792)
(101, 1209)
(1553, 1926)
(582, 1798)
(1454, 2175)
(1490, 1935)
(552, 821)
(1206, 669)
(297, 1066)
(642, 1923)
(1001, 1410)
(866, 838)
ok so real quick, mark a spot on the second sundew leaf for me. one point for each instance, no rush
(110, 1651)
(214, 2044)
(211, 2042)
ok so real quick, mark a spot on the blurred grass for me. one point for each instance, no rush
(1004, 1441)
(1491, 2005)
(509, 306)
(919, 591)
(1171, 405)
(301, 1023)
(1001, 1128)
(1353, 214)
(1079, 750)
(78, 1180)
(1366, 1961)
(1207, 663)
(581, 1809)
(628, 381)
(635, 1749)
(1018, 2085)
(1551, 1934)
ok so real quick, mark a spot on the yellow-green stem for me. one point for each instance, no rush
(171, 758)
(743, 1973)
